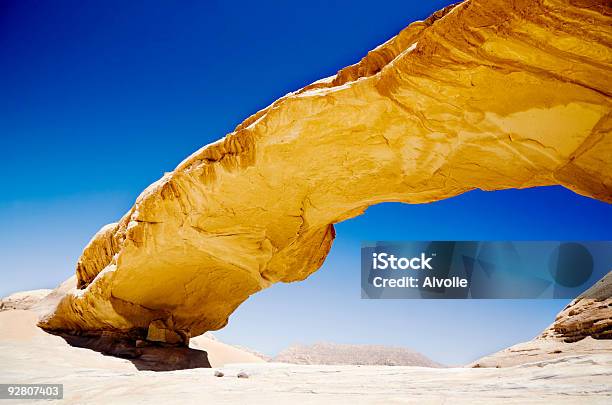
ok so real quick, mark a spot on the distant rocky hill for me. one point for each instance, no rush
(334, 354)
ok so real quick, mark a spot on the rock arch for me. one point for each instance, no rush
(484, 94)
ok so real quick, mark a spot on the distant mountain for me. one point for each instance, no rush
(337, 354)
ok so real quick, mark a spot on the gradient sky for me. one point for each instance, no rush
(99, 99)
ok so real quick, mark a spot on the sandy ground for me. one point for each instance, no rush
(28, 355)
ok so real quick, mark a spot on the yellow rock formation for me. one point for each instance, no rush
(589, 315)
(485, 94)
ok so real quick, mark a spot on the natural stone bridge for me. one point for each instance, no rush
(485, 94)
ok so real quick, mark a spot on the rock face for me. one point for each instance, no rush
(589, 315)
(584, 327)
(484, 94)
(337, 354)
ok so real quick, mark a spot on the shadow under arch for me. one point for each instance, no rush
(143, 354)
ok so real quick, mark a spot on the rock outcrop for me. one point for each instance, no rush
(584, 327)
(342, 354)
(484, 94)
(589, 315)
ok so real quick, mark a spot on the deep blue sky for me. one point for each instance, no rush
(98, 99)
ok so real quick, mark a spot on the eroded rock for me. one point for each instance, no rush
(589, 315)
(583, 328)
(143, 354)
(485, 94)
(159, 331)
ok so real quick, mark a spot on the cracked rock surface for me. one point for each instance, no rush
(589, 315)
(484, 94)
(583, 328)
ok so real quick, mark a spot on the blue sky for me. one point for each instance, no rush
(98, 100)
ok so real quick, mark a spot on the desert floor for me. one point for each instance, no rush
(28, 355)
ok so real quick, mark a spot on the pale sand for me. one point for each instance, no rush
(28, 355)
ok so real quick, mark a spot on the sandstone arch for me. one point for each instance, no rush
(485, 94)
